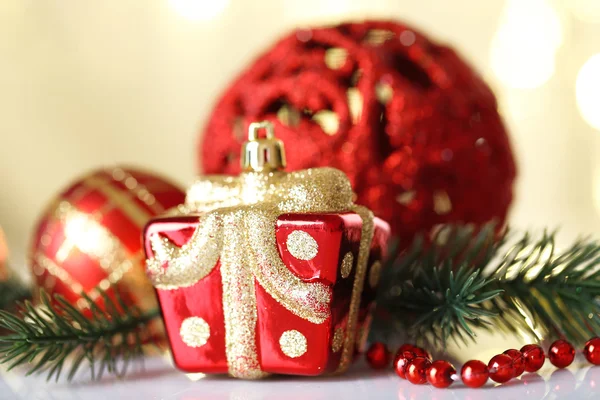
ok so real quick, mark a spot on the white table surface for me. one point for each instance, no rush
(159, 380)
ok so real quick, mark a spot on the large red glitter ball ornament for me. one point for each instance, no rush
(413, 126)
(591, 351)
(534, 357)
(561, 353)
(90, 236)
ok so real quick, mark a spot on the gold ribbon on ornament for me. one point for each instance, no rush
(238, 217)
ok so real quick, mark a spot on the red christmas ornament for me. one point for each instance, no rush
(378, 356)
(561, 353)
(268, 272)
(416, 370)
(591, 351)
(534, 357)
(416, 130)
(474, 373)
(440, 374)
(401, 360)
(501, 368)
(90, 236)
(518, 361)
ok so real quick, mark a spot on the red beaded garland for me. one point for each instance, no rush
(501, 368)
(591, 351)
(440, 374)
(405, 347)
(561, 353)
(474, 373)
(378, 356)
(518, 361)
(401, 360)
(416, 370)
(420, 352)
(534, 357)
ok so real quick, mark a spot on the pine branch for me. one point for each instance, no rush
(465, 279)
(552, 293)
(45, 337)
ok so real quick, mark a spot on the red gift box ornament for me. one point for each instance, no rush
(269, 271)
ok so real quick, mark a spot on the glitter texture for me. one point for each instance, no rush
(238, 217)
(384, 103)
(338, 340)
(346, 267)
(194, 331)
(361, 269)
(375, 274)
(302, 246)
(293, 343)
(191, 262)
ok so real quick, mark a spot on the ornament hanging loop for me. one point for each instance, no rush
(262, 154)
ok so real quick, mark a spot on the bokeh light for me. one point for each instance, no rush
(523, 51)
(585, 10)
(198, 10)
(587, 91)
(82, 233)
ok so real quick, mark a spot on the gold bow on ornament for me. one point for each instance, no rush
(237, 226)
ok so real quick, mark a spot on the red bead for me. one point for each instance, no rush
(405, 347)
(378, 356)
(401, 360)
(420, 352)
(440, 374)
(591, 351)
(474, 373)
(561, 353)
(518, 361)
(534, 357)
(416, 370)
(501, 368)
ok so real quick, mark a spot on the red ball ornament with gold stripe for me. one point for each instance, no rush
(90, 236)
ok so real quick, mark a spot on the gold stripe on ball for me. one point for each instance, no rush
(194, 331)
(293, 343)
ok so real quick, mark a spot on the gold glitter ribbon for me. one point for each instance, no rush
(238, 217)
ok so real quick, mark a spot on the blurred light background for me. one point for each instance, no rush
(88, 83)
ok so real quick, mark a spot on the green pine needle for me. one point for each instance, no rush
(56, 336)
(464, 280)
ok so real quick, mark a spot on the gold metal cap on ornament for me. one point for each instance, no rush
(262, 154)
